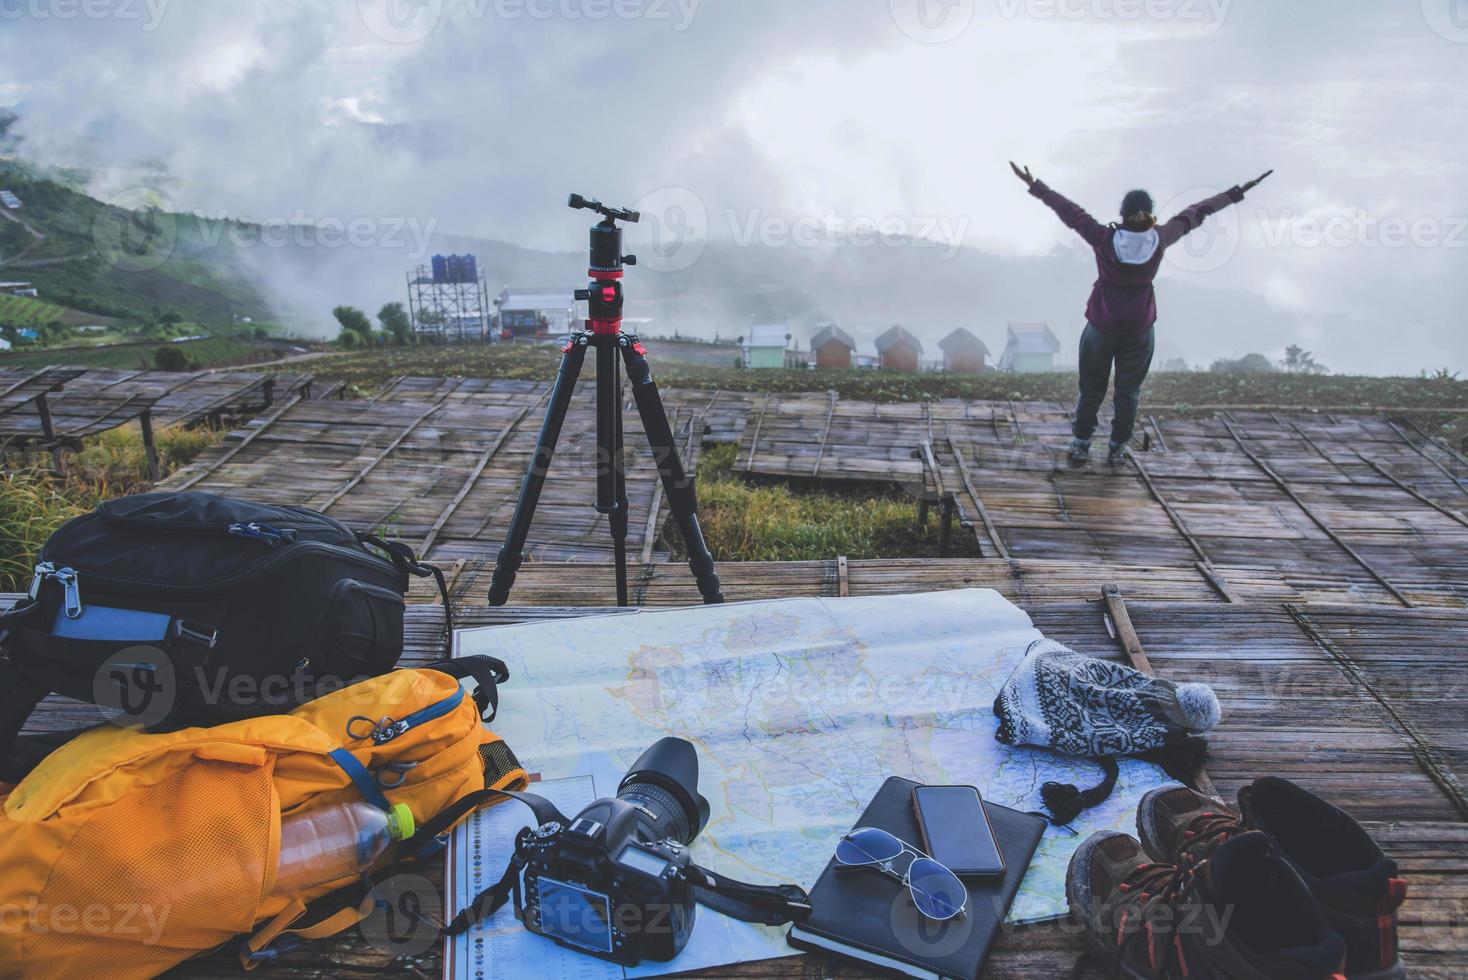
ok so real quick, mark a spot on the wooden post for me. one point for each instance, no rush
(48, 429)
(150, 447)
(1161, 439)
(825, 435)
(1120, 621)
(968, 484)
(945, 526)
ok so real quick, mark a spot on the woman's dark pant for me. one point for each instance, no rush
(1133, 359)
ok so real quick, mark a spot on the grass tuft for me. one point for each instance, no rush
(34, 503)
(743, 521)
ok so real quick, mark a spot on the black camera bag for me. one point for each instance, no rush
(256, 608)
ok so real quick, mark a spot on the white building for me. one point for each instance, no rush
(1031, 349)
(768, 346)
(536, 312)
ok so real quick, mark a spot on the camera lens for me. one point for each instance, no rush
(669, 818)
(664, 783)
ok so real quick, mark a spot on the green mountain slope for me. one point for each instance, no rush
(130, 262)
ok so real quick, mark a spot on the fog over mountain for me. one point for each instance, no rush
(841, 158)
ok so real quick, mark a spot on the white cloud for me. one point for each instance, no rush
(791, 109)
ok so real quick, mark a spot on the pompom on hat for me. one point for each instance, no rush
(1081, 706)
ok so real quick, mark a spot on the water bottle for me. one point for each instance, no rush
(336, 842)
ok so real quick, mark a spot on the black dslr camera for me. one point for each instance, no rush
(614, 881)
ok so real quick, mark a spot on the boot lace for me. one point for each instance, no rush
(1146, 888)
(1203, 833)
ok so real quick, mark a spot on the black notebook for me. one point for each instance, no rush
(867, 916)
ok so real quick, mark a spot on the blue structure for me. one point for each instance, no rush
(455, 268)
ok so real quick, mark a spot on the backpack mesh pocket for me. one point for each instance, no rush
(179, 866)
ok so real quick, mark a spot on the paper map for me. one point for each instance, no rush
(800, 709)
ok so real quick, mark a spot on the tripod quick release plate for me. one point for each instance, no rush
(577, 202)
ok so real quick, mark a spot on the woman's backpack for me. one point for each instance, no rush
(176, 609)
(126, 853)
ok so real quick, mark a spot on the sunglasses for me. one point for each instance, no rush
(936, 891)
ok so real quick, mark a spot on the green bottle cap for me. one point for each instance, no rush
(400, 824)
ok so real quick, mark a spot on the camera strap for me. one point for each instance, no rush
(770, 905)
(493, 898)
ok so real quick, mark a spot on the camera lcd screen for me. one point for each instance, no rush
(574, 915)
(637, 859)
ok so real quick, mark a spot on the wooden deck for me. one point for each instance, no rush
(1368, 501)
(1312, 567)
(439, 464)
(56, 408)
(1360, 705)
(1297, 507)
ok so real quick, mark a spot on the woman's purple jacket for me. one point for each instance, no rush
(1123, 302)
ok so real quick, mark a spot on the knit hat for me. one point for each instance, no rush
(1076, 705)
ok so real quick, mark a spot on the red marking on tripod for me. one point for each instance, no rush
(639, 348)
(606, 327)
(609, 294)
(567, 348)
(601, 275)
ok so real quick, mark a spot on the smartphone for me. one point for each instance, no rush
(956, 831)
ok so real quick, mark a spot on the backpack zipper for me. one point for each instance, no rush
(70, 583)
(358, 556)
(274, 537)
(386, 733)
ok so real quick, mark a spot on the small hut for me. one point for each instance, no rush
(963, 353)
(833, 348)
(899, 350)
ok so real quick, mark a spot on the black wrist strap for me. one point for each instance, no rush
(770, 905)
(487, 902)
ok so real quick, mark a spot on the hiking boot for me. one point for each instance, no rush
(1115, 454)
(1080, 452)
(1355, 884)
(1180, 826)
(1241, 914)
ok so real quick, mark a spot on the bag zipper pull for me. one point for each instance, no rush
(44, 570)
(69, 581)
(260, 532)
(384, 734)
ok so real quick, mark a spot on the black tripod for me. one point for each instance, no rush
(604, 332)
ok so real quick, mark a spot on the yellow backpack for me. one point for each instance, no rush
(124, 853)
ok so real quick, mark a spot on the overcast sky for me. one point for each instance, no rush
(777, 121)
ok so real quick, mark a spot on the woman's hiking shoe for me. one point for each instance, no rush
(1240, 914)
(1080, 452)
(1355, 884)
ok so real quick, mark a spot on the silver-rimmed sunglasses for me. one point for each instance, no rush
(936, 891)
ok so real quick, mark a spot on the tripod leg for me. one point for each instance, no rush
(512, 555)
(677, 484)
(611, 470)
